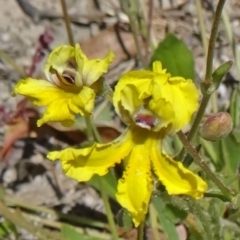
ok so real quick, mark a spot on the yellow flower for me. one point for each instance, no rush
(71, 85)
(153, 104)
(170, 101)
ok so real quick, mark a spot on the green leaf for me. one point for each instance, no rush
(231, 151)
(194, 234)
(124, 219)
(168, 226)
(220, 72)
(235, 107)
(214, 209)
(217, 77)
(109, 182)
(174, 214)
(70, 233)
(203, 217)
(214, 151)
(225, 152)
(175, 57)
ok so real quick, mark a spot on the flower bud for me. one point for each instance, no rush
(216, 126)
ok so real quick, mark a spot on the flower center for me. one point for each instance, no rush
(145, 119)
(68, 77)
(64, 76)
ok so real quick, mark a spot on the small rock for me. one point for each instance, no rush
(10, 176)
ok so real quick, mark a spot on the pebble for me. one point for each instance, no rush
(10, 175)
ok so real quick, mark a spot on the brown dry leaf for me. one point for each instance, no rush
(106, 40)
(74, 136)
(70, 136)
(108, 134)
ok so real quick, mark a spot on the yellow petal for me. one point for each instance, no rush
(82, 164)
(93, 69)
(61, 106)
(175, 177)
(58, 59)
(164, 111)
(129, 103)
(135, 188)
(130, 91)
(181, 94)
(172, 100)
(157, 67)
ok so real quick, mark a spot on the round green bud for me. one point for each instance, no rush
(216, 126)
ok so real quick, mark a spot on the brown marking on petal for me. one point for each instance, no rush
(145, 121)
(66, 79)
(69, 77)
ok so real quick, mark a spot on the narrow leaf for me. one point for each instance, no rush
(124, 219)
(220, 72)
(168, 226)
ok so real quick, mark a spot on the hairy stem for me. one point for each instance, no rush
(141, 231)
(200, 161)
(195, 125)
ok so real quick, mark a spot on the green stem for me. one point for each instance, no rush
(212, 40)
(141, 231)
(216, 195)
(200, 161)
(89, 129)
(195, 125)
(93, 134)
(199, 116)
(67, 22)
(96, 134)
(108, 210)
(153, 221)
